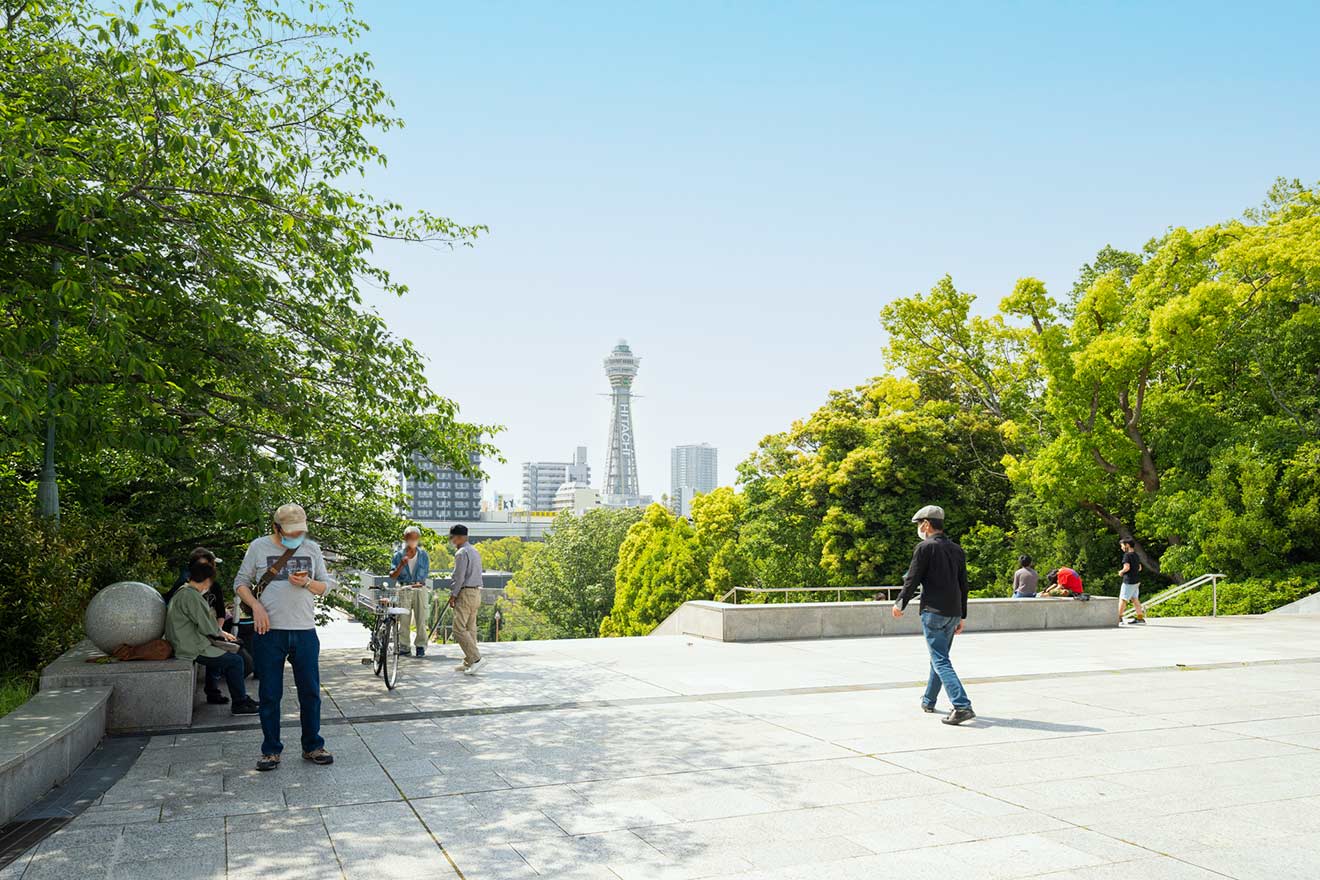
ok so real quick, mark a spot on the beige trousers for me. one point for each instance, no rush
(418, 605)
(465, 624)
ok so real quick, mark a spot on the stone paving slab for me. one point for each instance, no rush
(1096, 756)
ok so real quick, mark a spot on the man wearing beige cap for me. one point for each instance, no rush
(280, 577)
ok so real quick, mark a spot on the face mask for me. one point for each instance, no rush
(921, 536)
(412, 545)
(292, 543)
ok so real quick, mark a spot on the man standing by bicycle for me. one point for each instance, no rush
(465, 598)
(410, 568)
(281, 576)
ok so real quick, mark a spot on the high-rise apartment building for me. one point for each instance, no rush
(621, 488)
(693, 470)
(442, 494)
(542, 479)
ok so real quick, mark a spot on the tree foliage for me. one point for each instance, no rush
(568, 582)
(659, 569)
(179, 279)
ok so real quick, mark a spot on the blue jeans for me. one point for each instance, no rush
(938, 631)
(230, 668)
(302, 649)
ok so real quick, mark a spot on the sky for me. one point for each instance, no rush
(738, 188)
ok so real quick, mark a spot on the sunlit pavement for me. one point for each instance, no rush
(1187, 749)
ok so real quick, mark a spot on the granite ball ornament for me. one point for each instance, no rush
(124, 613)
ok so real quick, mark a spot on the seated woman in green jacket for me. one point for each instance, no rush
(190, 625)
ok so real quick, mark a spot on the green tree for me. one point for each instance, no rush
(568, 582)
(862, 464)
(503, 554)
(718, 519)
(660, 568)
(180, 270)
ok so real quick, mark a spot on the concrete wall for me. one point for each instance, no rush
(726, 622)
(43, 741)
(1305, 605)
(145, 694)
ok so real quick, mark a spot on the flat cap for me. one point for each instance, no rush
(930, 511)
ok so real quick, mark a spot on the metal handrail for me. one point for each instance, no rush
(838, 591)
(1186, 586)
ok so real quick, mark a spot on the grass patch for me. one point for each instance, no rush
(15, 689)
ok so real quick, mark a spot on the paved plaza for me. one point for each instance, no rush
(1187, 749)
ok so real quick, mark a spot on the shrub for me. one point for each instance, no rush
(49, 574)
(1246, 596)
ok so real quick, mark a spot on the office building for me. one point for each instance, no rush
(621, 488)
(577, 497)
(442, 493)
(542, 479)
(693, 470)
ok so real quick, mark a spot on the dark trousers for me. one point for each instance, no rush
(246, 631)
(230, 668)
(302, 649)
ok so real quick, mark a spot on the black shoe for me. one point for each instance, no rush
(246, 707)
(930, 710)
(1137, 621)
(268, 762)
(1082, 597)
(958, 716)
(217, 699)
(421, 652)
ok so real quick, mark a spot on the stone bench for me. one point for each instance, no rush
(145, 695)
(726, 622)
(43, 741)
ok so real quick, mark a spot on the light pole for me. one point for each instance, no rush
(48, 491)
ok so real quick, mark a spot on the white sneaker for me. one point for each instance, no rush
(472, 670)
(462, 667)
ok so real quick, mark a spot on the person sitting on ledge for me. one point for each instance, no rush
(190, 625)
(1025, 578)
(1063, 583)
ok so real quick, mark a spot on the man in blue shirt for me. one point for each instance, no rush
(410, 568)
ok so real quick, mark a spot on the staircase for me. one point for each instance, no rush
(1185, 587)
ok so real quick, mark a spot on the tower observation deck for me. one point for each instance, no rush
(621, 488)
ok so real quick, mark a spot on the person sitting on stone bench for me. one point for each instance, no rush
(190, 626)
(215, 597)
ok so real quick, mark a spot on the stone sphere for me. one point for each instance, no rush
(125, 613)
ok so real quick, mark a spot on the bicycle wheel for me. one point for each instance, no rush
(382, 644)
(392, 654)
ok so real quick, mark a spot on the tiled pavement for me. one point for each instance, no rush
(1189, 749)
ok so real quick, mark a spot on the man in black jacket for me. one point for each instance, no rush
(939, 567)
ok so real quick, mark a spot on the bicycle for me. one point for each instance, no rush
(384, 628)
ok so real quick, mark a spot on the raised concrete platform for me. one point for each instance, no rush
(1185, 750)
(726, 622)
(146, 694)
(43, 741)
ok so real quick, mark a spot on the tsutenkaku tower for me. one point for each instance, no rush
(621, 457)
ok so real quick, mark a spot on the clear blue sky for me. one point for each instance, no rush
(737, 188)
